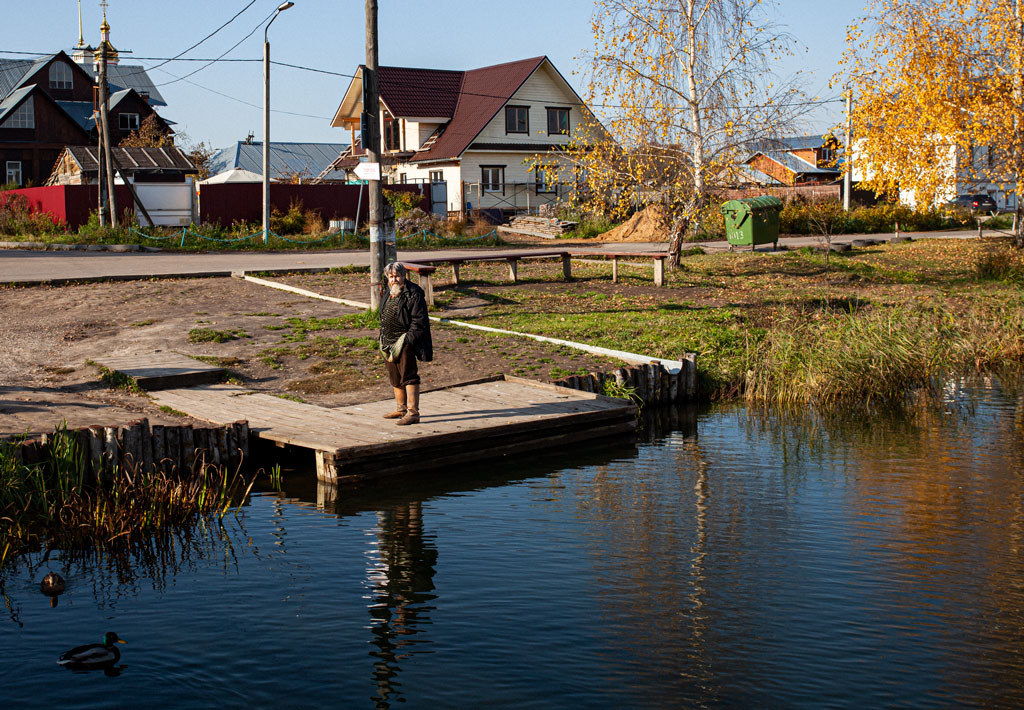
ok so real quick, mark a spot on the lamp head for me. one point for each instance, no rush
(284, 6)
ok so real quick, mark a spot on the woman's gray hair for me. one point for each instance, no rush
(396, 267)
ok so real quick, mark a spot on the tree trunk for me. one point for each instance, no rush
(675, 242)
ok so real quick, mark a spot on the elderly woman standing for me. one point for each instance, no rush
(404, 339)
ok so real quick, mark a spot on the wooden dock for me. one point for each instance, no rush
(153, 371)
(472, 421)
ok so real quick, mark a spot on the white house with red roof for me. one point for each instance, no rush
(480, 131)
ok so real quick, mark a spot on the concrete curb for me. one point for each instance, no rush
(52, 246)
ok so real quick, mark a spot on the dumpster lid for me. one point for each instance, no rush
(754, 204)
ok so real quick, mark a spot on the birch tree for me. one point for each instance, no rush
(939, 97)
(684, 87)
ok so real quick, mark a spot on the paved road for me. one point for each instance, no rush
(29, 266)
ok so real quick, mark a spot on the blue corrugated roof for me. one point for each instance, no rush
(286, 159)
(12, 100)
(81, 111)
(119, 76)
(12, 71)
(795, 164)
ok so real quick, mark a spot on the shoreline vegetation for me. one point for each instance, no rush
(53, 498)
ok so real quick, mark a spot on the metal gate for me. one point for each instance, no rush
(439, 198)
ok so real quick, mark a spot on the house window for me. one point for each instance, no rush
(517, 119)
(558, 121)
(403, 178)
(492, 178)
(828, 156)
(128, 121)
(23, 117)
(436, 176)
(60, 76)
(545, 181)
(392, 139)
(14, 172)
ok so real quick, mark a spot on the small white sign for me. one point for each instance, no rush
(367, 171)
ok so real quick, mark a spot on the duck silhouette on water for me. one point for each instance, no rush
(53, 586)
(93, 656)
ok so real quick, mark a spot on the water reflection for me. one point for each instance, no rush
(402, 591)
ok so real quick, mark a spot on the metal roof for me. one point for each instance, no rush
(12, 101)
(12, 71)
(169, 159)
(120, 76)
(286, 159)
(795, 164)
(81, 111)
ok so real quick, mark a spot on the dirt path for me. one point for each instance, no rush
(275, 341)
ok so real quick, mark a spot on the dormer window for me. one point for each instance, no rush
(517, 119)
(128, 121)
(558, 121)
(60, 76)
(23, 117)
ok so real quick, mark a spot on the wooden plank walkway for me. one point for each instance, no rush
(153, 371)
(462, 423)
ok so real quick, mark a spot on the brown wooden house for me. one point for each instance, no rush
(47, 104)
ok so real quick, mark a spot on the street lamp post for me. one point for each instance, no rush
(266, 120)
(848, 172)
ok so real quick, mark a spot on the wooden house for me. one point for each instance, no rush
(476, 134)
(48, 103)
(797, 160)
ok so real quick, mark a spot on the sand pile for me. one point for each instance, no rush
(644, 226)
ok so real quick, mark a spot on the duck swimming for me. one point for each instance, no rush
(93, 655)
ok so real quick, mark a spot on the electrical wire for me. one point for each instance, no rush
(178, 56)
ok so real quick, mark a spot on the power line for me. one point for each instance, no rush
(178, 56)
(230, 49)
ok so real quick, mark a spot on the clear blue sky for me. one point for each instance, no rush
(329, 35)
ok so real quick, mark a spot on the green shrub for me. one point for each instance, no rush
(402, 202)
(17, 217)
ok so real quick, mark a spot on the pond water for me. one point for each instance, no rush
(728, 559)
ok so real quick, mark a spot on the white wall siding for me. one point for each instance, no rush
(541, 90)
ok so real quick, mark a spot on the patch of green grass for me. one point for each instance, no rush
(292, 397)
(210, 335)
(171, 410)
(264, 314)
(117, 380)
(142, 323)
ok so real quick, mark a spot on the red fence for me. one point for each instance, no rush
(232, 202)
(224, 203)
(70, 204)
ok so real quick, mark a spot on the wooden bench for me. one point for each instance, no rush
(424, 274)
(425, 268)
(512, 258)
(658, 257)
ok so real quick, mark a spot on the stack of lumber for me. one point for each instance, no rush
(548, 228)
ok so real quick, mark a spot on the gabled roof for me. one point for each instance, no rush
(793, 163)
(13, 100)
(15, 72)
(419, 93)
(483, 93)
(168, 159)
(469, 99)
(81, 112)
(285, 158)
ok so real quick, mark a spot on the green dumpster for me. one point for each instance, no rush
(753, 221)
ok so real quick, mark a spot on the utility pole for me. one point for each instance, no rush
(371, 143)
(104, 131)
(848, 167)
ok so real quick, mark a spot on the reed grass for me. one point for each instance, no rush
(54, 503)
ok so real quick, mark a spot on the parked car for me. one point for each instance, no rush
(981, 203)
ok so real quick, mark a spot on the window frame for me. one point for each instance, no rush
(555, 111)
(121, 121)
(8, 169)
(65, 81)
(541, 185)
(509, 112)
(18, 116)
(391, 126)
(436, 176)
(484, 181)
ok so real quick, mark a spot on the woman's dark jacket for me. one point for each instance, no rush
(413, 316)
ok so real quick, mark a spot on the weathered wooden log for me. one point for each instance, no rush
(159, 447)
(224, 452)
(96, 452)
(691, 374)
(146, 445)
(111, 449)
(188, 449)
(620, 377)
(641, 383)
(242, 439)
(232, 446)
(663, 384)
(673, 385)
(598, 382)
(572, 382)
(126, 435)
(81, 437)
(172, 451)
(199, 444)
